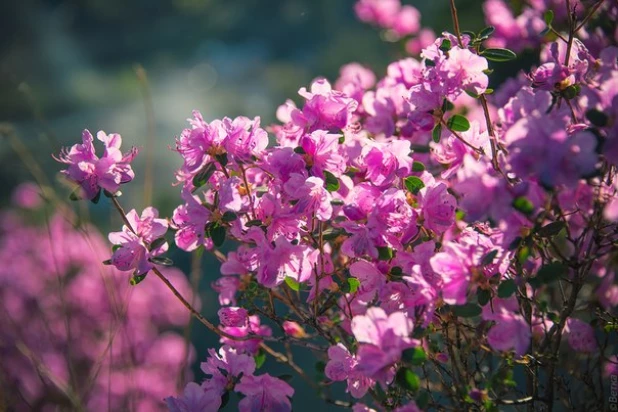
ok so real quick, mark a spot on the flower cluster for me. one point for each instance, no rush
(74, 333)
(421, 219)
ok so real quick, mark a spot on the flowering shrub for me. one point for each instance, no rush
(75, 335)
(434, 243)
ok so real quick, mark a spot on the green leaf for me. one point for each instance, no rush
(414, 356)
(163, 261)
(341, 139)
(116, 247)
(447, 105)
(204, 175)
(337, 202)
(499, 55)
(488, 259)
(418, 166)
(229, 216)
(571, 92)
(396, 271)
(436, 133)
(354, 284)
(74, 196)
(332, 183)
(446, 45)
(256, 222)
(548, 16)
(96, 198)
(299, 150)
(222, 159)
(469, 310)
(551, 229)
(523, 205)
(422, 400)
(413, 184)
(260, 358)
(548, 273)
(506, 288)
(217, 234)
(483, 296)
(486, 32)
(385, 253)
(472, 94)
(225, 398)
(157, 243)
(458, 123)
(137, 279)
(407, 379)
(597, 118)
(553, 317)
(292, 283)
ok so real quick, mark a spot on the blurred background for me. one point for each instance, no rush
(67, 65)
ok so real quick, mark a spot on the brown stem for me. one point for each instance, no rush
(456, 22)
(592, 11)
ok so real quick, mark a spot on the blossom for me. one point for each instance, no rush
(194, 398)
(135, 251)
(580, 335)
(511, 332)
(381, 339)
(233, 316)
(92, 173)
(344, 366)
(189, 221)
(264, 393)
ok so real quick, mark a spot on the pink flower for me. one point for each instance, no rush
(343, 366)
(254, 327)
(264, 393)
(189, 221)
(407, 21)
(293, 329)
(194, 398)
(438, 208)
(311, 195)
(381, 340)
(232, 316)
(27, 195)
(93, 174)
(580, 335)
(511, 332)
(134, 252)
(466, 70)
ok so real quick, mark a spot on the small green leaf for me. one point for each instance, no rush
(332, 183)
(418, 166)
(222, 159)
(407, 380)
(447, 105)
(486, 32)
(341, 139)
(163, 261)
(292, 283)
(413, 184)
(354, 284)
(256, 222)
(446, 45)
(553, 317)
(299, 150)
(337, 202)
(571, 92)
(157, 243)
(472, 94)
(396, 271)
(597, 118)
(385, 253)
(96, 198)
(523, 205)
(229, 216)
(548, 16)
(137, 279)
(74, 196)
(548, 273)
(551, 229)
(469, 310)
(499, 55)
(414, 356)
(483, 296)
(225, 398)
(488, 259)
(458, 123)
(436, 133)
(204, 175)
(507, 288)
(116, 247)
(217, 234)
(260, 358)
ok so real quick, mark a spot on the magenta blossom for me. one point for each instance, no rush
(93, 174)
(264, 393)
(136, 250)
